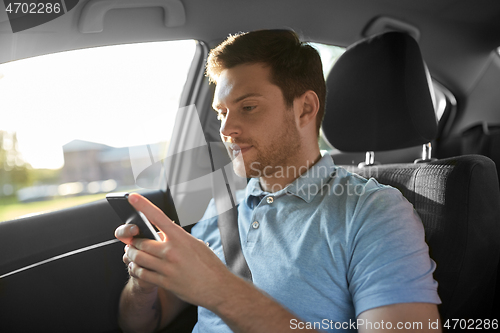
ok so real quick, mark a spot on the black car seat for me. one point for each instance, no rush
(483, 139)
(379, 99)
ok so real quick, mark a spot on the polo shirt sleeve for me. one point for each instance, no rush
(389, 259)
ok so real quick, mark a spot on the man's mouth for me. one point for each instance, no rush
(237, 149)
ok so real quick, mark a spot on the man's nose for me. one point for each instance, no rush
(230, 126)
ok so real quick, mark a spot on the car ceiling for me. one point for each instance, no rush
(456, 36)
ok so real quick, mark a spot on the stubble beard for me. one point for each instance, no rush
(273, 158)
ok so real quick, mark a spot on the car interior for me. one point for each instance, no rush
(413, 102)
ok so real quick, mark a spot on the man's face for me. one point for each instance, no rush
(255, 121)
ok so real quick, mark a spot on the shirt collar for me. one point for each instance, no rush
(306, 187)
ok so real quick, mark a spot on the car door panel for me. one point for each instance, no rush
(62, 271)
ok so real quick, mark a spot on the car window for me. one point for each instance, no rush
(78, 124)
(329, 55)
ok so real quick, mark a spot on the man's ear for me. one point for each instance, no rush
(307, 108)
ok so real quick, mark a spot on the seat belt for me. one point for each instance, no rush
(227, 220)
(231, 245)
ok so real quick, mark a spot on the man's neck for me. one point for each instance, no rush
(284, 176)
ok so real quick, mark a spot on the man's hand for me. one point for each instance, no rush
(181, 263)
(187, 268)
(183, 266)
(144, 306)
(125, 233)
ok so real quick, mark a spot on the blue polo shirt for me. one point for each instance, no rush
(328, 247)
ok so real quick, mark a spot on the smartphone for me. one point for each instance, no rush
(129, 215)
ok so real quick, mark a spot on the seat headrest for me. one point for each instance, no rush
(379, 96)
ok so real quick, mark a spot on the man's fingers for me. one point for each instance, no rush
(148, 261)
(145, 274)
(147, 245)
(126, 232)
(151, 247)
(126, 259)
(153, 213)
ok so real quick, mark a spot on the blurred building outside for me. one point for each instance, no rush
(91, 168)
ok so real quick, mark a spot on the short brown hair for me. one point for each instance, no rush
(295, 65)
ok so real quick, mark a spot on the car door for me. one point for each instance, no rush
(62, 271)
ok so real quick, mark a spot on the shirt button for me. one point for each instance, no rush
(255, 225)
(270, 200)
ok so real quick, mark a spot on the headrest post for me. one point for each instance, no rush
(369, 159)
(426, 154)
(426, 151)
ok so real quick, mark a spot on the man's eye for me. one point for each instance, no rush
(221, 115)
(249, 108)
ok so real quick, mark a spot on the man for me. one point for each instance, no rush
(325, 247)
